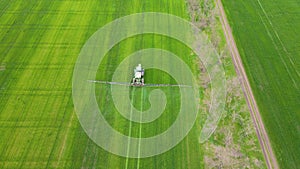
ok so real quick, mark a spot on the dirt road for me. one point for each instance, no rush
(259, 126)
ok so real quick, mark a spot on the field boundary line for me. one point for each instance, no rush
(254, 111)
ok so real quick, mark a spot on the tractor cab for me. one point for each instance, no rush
(138, 79)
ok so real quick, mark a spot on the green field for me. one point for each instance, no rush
(267, 35)
(39, 45)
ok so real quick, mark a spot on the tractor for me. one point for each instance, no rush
(138, 79)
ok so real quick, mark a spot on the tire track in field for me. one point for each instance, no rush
(140, 129)
(130, 127)
(276, 47)
(277, 36)
(28, 148)
(89, 143)
(6, 100)
(65, 140)
(6, 57)
(281, 43)
(62, 120)
(260, 130)
(106, 71)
